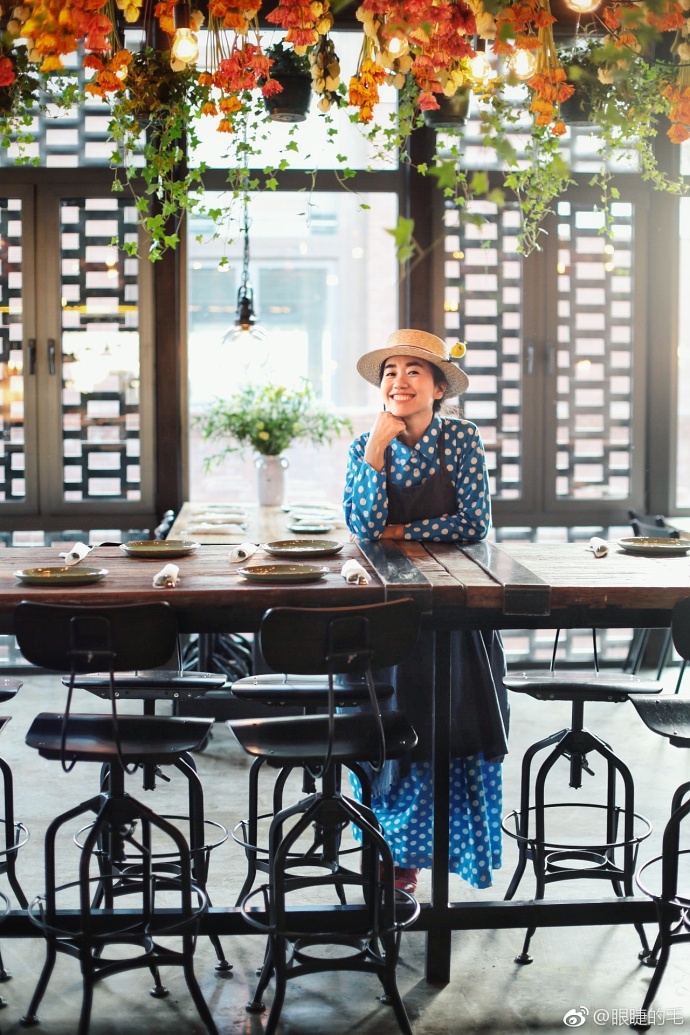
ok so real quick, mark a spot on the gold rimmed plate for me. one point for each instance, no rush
(303, 547)
(160, 548)
(73, 575)
(651, 544)
(283, 572)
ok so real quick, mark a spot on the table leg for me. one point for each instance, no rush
(439, 934)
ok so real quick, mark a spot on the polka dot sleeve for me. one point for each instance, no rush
(365, 500)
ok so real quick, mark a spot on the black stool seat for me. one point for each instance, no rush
(89, 737)
(157, 684)
(549, 685)
(9, 688)
(668, 716)
(305, 691)
(300, 739)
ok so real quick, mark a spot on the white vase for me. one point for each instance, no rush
(270, 480)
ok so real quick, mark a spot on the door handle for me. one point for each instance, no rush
(550, 358)
(31, 349)
(529, 359)
(51, 355)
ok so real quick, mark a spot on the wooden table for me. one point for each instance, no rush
(480, 586)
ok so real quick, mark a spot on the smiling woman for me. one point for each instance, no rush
(421, 475)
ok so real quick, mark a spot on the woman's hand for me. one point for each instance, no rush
(393, 532)
(386, 428)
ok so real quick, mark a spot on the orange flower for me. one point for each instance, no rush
(7, 73)
(677, 134)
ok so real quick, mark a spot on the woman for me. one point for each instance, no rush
(419, 474)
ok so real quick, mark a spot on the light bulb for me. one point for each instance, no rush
(582, 6)
(522, 63)
(185, 47)
(397, 46)
(480, 67)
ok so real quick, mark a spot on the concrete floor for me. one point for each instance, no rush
(584, 969)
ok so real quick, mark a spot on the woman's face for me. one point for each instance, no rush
(408, 387)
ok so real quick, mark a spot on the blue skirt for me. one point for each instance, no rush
(406, 812)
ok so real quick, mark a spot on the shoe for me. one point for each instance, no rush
(406, 879)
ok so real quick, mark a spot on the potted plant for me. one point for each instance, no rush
(268, 418)
(292, 71)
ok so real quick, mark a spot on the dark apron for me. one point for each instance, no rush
(479, 700)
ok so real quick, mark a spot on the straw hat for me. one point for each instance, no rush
(414, 343)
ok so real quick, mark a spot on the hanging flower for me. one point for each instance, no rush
(304, 22)
(237, 15)
(7, 73)
(678, 94)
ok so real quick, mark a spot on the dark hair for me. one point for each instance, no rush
(439, 379)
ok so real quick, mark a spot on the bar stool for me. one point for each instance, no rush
(175, 687)
(330, 642)
(562, 858)
(308, 695)
(117, 859)
(16, 833)
(669, 716)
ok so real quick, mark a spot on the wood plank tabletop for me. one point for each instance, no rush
(512, 580)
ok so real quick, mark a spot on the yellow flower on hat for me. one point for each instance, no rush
(458, 350)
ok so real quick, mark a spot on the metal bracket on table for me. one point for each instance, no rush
(524, 593)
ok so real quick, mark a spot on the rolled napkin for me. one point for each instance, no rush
(78, 552)
(352, 571)
(241, 552)
(168, 576)
(599, 547)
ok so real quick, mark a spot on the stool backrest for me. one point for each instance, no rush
(680, 628)
(93, 639)
(309, 640)
(657, 529)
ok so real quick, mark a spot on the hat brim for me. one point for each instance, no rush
(369, 366)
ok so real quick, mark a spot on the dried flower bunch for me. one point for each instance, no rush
(443, 45)
(427, 49)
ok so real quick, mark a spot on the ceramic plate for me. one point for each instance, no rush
(303, 548)
(310, 529)
(160, 548)
(74, 575)
(648, 544)
(283, 572)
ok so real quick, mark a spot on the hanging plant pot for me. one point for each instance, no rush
(292, 105)
(451, 112)
(576, 110)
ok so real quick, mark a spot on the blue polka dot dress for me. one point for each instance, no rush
(406, 815)
(447, 470)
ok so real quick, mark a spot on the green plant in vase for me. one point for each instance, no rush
(268, 418)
